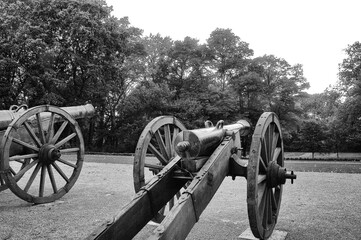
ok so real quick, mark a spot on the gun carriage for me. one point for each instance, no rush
(42, 150)
(188, 166)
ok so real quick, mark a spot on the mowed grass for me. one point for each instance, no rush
(323, 203)
(323, 156)
(323, 166)
(295, 165)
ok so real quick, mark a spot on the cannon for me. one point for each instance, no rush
(41, 151)
(188, 166)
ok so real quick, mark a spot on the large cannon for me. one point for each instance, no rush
(187, 168)
(41, 151)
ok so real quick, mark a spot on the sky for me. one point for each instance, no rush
(313, 33)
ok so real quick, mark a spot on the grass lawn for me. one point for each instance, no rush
(323, 203)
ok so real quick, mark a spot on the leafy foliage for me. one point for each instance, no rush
(69, 52)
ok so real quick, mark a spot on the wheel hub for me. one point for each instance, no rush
(277, 175)
(49, 154)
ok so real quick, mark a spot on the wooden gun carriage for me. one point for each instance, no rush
(41, 151)
(188, 166)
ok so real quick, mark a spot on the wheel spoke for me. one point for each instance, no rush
(261, 191)
(276, 136)
(158, 155)
(261, 178)
(269, 207)
(161, 144)
(59, 132)
(264, 152)
(19, 157)
(268, 137)
(168, 141)
(42, 181)
(67, 163)
(24, 170)
(52, 180)
(263, 203)
(50, 134)
(21, 160)
(276, 154)
(12, 171)
(32, 134)
(153, 166)
(27, 145)
(69, 150)
(265, 213)
(32, 177)
(57, 168)
(41, 131)
(263, 165)
(65, 140)
(175, 133)
(2, 181)
(274, 202)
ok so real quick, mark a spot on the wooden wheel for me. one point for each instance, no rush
(157, 138)
(265, 176)
(42, 154)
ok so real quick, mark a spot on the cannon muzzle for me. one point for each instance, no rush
(202, 142)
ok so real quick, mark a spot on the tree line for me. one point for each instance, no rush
(68, 53)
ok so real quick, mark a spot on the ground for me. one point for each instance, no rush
(320, 205)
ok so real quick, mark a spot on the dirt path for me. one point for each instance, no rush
(317, 206)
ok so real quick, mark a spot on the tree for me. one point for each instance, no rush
(349, 119)
(20, 52)
(249, 89)
(187, 73)
(350, 70)
(349, 111)
(283, 87)
(154, 63)
(312, 137)
(321, 106)
(229, 54)
(66, 53)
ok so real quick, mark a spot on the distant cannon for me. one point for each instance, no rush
(188, 166)
(41, 151)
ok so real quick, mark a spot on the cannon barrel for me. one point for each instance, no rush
(202, 142)
(81, 111)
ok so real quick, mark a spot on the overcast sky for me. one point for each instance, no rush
(313, 33)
